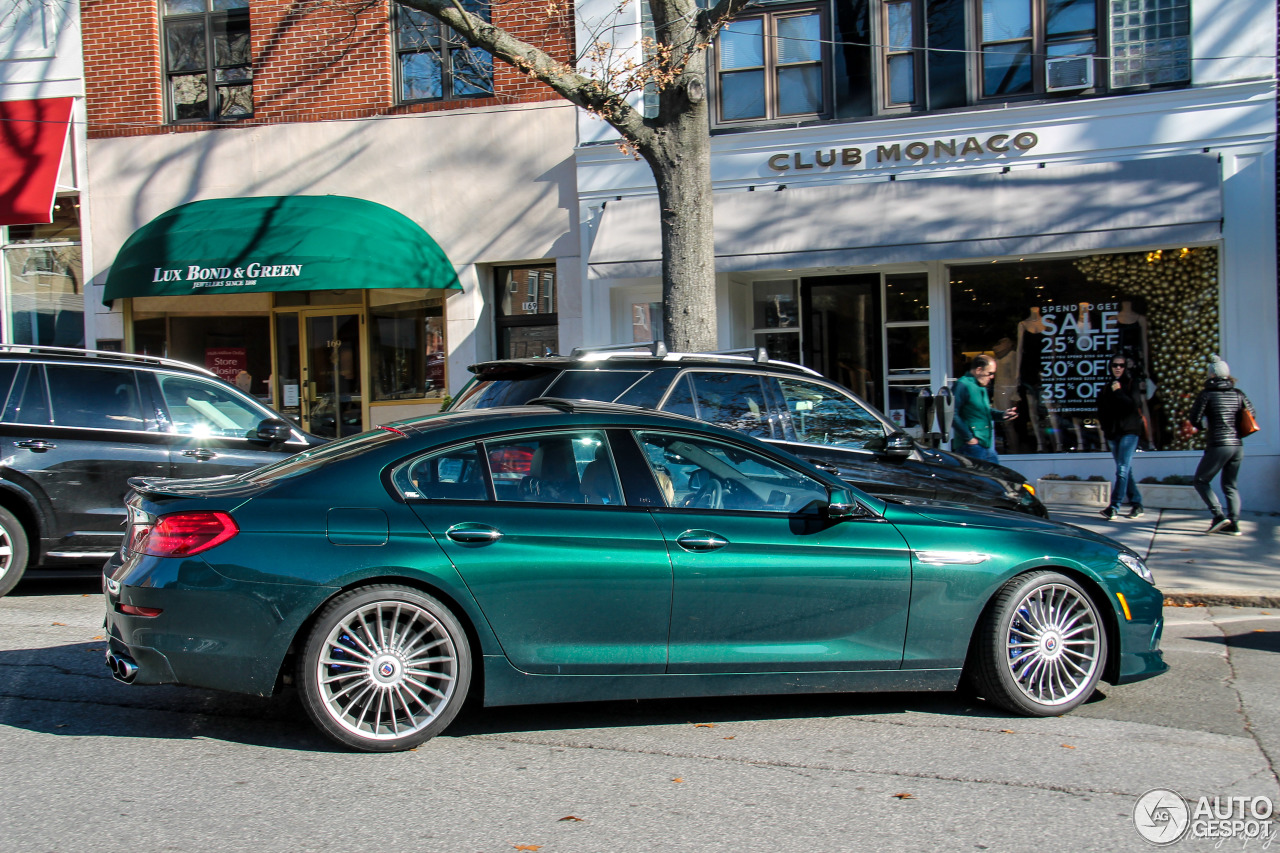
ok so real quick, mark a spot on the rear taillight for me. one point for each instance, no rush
(185, 533)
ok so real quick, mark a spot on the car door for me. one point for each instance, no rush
(571, 580)
(74, 435)
(764, 581)
(839, 435)
(213, 427)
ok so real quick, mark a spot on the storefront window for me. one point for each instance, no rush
(906, 332)
(1053, 326)
(406, 345)
(43, 280)
(527, 323)
(776, 318)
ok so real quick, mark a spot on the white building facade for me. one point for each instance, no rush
(902, 185)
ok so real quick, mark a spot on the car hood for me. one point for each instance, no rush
(962, 515)
(948, 459)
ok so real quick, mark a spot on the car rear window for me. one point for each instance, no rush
(514, 391)
(325, 454)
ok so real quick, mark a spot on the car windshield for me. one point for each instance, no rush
(325, 454)
(490, 392)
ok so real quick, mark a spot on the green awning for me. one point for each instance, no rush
(274, 243)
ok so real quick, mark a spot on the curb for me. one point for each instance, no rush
(1222, 599)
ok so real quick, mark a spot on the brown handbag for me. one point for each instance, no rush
(1246, 423)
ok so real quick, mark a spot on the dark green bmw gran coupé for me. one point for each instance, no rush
(567, 551)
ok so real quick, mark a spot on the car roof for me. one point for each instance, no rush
(620, 359)
(70, 355)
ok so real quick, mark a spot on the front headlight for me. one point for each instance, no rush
(1138, 567)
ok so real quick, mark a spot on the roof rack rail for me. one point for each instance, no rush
(105, 355)
(759, 355)
(656, 348)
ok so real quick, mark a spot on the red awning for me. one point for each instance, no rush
(32, 137)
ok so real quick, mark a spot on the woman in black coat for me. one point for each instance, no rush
(1218, 406)
(1120, 415)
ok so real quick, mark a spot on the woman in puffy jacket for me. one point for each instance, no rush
(1218, 406)
(1120, 415)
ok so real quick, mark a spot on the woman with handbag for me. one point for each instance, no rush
(1228, 416)
(1120, 415)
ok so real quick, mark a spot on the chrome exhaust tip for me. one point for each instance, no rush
(122, 668)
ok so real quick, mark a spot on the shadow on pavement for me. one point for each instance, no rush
(1262, 641)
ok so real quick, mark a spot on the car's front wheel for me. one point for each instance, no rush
(384, 668)
(1040, 647)
(14, 551)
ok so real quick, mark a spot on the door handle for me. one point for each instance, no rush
(701, 540)
(824, 466)
(474, 534)
(38, 445)
(202, 454)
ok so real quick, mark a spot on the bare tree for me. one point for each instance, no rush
(675, 142)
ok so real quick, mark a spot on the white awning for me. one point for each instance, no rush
(1167, 201)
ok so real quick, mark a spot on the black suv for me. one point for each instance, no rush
(77, 424)
(786, 404)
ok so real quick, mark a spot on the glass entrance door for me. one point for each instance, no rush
(332, 397)
(842, 332)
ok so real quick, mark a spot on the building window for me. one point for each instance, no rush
(406, 345)
(1054, 326)
(775, 312)
(772, 66)
(1019, 36)
(42, 278)
(208, 59)
(435, 63)
(1150, 42)
(527, 323)
(902, 60)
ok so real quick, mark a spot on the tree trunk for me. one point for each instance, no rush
(682, 170)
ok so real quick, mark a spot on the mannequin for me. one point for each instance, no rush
(1132, 328)
(1030, 335)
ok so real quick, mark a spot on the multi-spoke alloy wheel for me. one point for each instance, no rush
(13, 551)
(385, 668)
(1041, 646)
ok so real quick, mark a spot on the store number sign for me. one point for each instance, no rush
(1075, 349)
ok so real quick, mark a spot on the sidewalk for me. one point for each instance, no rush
(1192, 567)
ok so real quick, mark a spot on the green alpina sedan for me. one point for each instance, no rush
(566, 551)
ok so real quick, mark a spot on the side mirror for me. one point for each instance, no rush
(840, 504)
(898, 444)
(274, 430)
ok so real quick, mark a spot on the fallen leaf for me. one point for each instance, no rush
(1259, 630)
(730, 737)
(1067, 746)
(99, 637)
(60, 624)
(1006, 731)
(905, 796)
(1266, 613)
(677, 779)
(571, 817)
(704, 725)
(527, 846)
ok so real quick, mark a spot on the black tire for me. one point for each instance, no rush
(384, 668)
(1040, 647)
(14, 551)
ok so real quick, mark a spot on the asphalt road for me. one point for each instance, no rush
(92, 765)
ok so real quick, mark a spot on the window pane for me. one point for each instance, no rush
(472, 72)
(742, 44)
(908, 348)
(742, 95)
(906, 297)
(1006, 19)
(455, 475)
(800, 90)
(190, 96)
(1070, 16)
(45, 296)
(900, 26)
(902, 81)
(549, 468)
(96, 397)
(820, 415)
(776, 305)
(185, 46)
(224, 5)
(732, 400)
(201, 408)
(406, 344)
(183, 7)
(1070, 48)
(420, 76)
(29, 404)
(799, 39)
(231, 41)
(1006, 70)
(415, 29)
(235, 101)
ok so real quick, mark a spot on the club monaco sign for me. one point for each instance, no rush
(914, 152)
(203, 278)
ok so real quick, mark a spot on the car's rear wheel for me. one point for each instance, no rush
(384, 668)
(1040, 647)
(14, 551)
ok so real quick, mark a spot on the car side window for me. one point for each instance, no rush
(451, 475)
(29, 399)
(701, 473)
(562, 467)
(821, 415)
(93, 397)
(734, 401)
(202, 408)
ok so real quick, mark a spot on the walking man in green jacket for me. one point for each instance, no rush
(974, 436)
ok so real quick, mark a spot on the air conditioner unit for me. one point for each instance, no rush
(1068, 73)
